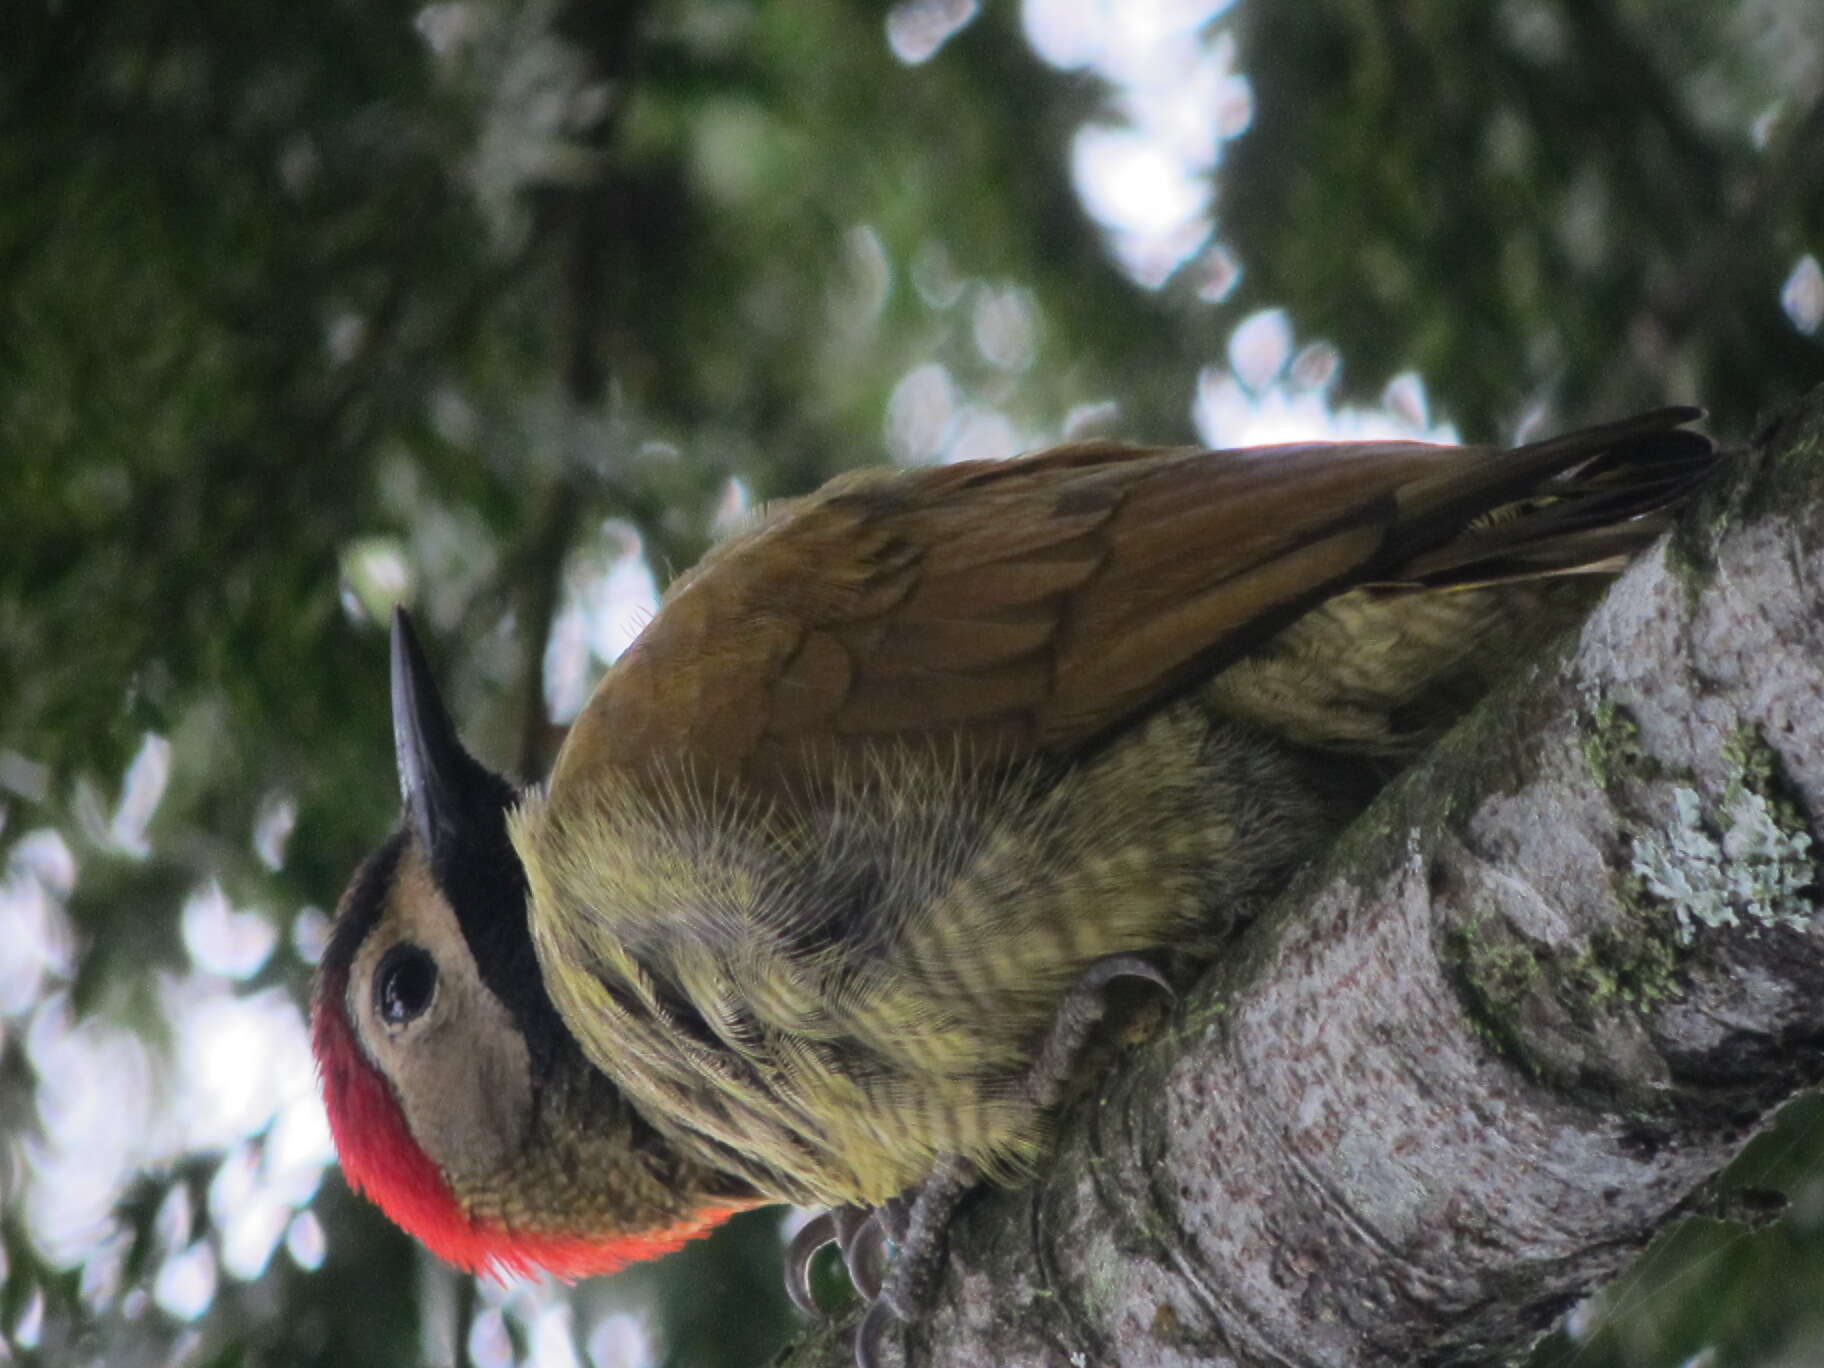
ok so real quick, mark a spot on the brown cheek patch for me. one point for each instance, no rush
(379, 1155)
(462, 1075)
(384, 1163)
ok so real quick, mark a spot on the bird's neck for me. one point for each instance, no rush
(594, 1185)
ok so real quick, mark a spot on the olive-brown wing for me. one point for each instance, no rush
(1033, 605)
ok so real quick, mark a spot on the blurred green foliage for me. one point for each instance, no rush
(284, 281)
(1552, 201)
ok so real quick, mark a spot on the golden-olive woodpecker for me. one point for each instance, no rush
(885, 776)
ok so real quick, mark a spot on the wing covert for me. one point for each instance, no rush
(1017, 606)
(1035, 604)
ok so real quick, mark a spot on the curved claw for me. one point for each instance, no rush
(817, 1232)
(1111, 967)
(868, 1334)
(849, 1221)
(865, 1256)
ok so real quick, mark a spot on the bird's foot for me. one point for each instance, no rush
(894, 1251)
(1077, 1016)
(861, 1236)
(917, 1253)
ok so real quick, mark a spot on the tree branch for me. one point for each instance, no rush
(1514, 1025)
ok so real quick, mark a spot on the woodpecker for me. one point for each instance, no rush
(828, 879)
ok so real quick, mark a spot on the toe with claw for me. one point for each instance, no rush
(857, 1233)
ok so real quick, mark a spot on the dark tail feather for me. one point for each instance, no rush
(1582, 503)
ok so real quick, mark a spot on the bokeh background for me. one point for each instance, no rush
(505, 308)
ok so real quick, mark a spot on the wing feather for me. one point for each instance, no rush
(1036, 604)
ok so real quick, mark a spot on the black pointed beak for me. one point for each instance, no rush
(440, 783)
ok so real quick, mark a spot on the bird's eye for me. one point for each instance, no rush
(405, 984)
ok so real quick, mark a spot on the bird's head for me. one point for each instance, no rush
(457, 1099)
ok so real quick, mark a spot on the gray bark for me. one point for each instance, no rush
(1516, 1023)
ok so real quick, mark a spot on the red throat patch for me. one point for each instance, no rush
(383, 1162)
